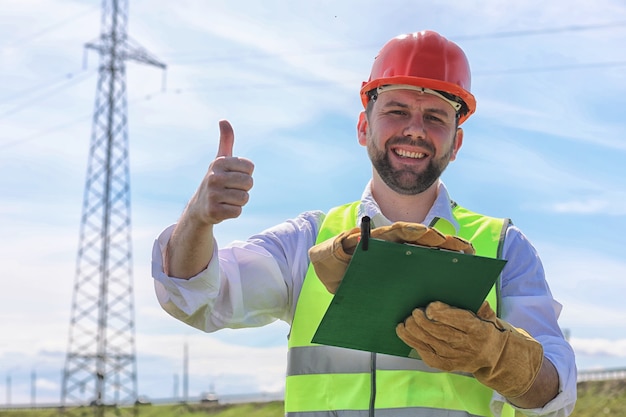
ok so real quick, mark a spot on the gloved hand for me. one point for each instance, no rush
(499, 355)
(331, 257)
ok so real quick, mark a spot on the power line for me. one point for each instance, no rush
(45, 132)
(310, 84)
(195, 57)
(71, 79)
(65, 80)
(61, 126)
(50, 28)
(537, 32)
(554, 68)
(46, 84)
(261, 56)
(38, 98)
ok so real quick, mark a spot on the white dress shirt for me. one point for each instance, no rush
(255, 282)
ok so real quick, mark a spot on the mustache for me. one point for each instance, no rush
(403, 140)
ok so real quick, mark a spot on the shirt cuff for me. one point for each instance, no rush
(186, 294)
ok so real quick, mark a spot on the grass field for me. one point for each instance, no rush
(595, 399)
(601, 398)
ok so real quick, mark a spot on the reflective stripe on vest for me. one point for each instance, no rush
(325, 381)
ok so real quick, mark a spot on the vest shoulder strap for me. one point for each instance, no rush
(338, 220)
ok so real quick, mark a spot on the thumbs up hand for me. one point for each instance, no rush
(224, 190)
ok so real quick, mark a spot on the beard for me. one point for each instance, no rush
(407, 181)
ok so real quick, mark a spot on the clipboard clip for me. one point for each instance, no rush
(365, 232)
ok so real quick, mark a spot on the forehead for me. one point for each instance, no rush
(412, 98)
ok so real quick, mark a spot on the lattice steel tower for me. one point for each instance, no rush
(100, 366)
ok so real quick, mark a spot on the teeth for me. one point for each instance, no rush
(414, 155)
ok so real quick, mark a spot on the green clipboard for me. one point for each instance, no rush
(383, 285)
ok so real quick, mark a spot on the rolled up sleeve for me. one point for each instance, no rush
(527, 302)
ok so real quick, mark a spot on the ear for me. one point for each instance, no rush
(457, 143)
(361, 129)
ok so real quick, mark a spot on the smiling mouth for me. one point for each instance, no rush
(411, 155)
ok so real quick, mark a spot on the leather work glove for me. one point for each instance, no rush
(499, 355)
(331, 257)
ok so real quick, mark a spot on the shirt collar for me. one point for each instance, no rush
(440, 212)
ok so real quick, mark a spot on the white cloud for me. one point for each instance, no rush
(525, 166)
(555, 111)
(608, 204)
(599, 347)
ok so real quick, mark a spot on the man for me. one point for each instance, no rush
(417, 96)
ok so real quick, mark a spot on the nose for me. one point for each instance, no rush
(415, 127)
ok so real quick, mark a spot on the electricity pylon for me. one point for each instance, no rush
(100, 366)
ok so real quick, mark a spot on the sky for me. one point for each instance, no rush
(546, 148)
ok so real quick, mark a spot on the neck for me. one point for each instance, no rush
(398, 207)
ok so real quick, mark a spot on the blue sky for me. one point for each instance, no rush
(546, 148)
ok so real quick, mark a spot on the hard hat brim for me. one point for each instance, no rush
(430, 83)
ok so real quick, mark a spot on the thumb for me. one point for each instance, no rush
(485, 312)
(227, 139)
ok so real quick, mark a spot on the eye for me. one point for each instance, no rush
(433, 118)
(436, 118)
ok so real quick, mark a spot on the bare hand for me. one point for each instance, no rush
(224, 189)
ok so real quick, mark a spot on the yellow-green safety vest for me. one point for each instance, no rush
(325, 381)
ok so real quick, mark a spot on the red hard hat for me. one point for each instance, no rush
(423, 59)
